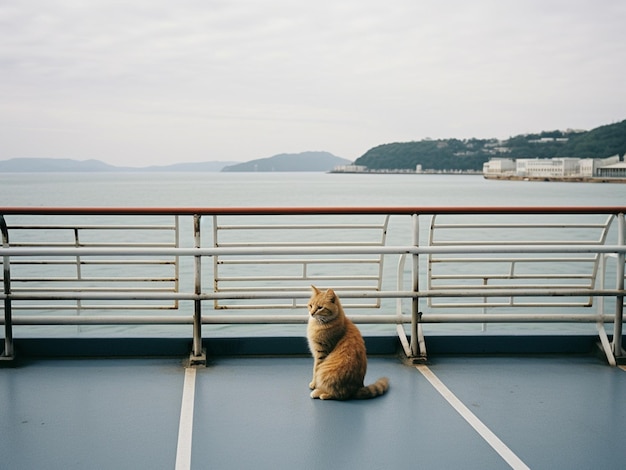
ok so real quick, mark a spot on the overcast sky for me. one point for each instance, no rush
(161, 81)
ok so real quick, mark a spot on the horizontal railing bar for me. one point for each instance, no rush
(85, 279)
(510, 260)
(501, 277)
(302, 227)
(302, 319)
(94, 244)
(79, 291)
(512, 242)
(381, 210)
(501, 287)
(100, 320)
(504, 277)
(296, 244)
(515, 318)
(298, 289)
(284, 306)
(521, 292)
(92, 262)
(363, 277)
(91, 227)
(220, 251)
(74, 307)
(300, 261)
(306, 294)
(509, 304)
(518, 225)
(213, 319)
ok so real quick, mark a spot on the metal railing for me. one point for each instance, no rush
(89, 274)
(494, 272)
(302, 239)
(282, 273)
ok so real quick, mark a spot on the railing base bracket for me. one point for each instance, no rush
(7, 361)
(412, 360)
(196, 361)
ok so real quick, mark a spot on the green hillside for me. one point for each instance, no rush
(455, 154)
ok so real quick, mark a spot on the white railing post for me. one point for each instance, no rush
(79, 274)
(415, 327)
(8, 353)
(176, 258)
(619, 299)
(198, 357)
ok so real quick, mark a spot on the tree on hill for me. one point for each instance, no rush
(451, 154)
(603, 141)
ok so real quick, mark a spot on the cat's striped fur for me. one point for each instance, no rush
(338, 349)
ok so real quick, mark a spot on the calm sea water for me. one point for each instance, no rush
(289, 190)
(292, 189)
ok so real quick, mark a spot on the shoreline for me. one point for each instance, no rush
(548, 179)
(405, 172)
(555, 179)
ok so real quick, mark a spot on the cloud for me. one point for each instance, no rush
(200, 80)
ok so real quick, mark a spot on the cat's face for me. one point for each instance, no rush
(323, 305)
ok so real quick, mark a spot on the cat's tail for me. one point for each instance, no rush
(370, 391)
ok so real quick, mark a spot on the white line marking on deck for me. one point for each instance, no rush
(185, 426)
(500, 447)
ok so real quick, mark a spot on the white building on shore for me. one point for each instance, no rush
(350, 169)
(549, 167)
(499, 166)
(615, 170)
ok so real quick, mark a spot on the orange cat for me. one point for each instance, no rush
(338, 352)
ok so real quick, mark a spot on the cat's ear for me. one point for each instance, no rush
(330, 295)
(315, 290)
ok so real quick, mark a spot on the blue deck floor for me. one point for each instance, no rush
(543, 412)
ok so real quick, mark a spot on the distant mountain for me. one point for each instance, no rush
(305, 161)
(31, 165)
(62, 165)
(182, 167)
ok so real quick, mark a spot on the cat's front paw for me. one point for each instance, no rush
(317, 393)
(312, 385)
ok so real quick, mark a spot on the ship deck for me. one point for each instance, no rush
(487, 411)
(541, 387)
